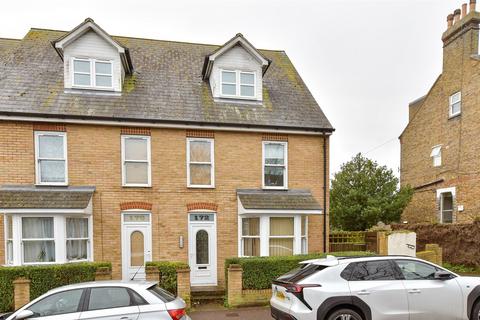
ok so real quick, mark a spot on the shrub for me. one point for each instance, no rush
(44, 278)
(259, 272)
(168, 273)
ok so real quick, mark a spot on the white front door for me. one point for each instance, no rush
(202, 239)
(136, 244)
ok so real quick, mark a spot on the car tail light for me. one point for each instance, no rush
(177, 314)
(298, 288)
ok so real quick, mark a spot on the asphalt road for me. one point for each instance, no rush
(260, 313)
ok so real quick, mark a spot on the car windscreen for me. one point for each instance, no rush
(301, 273)
(162, 294)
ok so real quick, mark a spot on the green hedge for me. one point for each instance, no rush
(44, 278)
(168, 272)
(259, 272)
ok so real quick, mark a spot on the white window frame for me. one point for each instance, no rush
(211, 163)
(238, 84)
(8, 238)
(59, 233)
(285, 165)
(436, 155)
(265, 232)
(74, 239)
(440, 192)
(304, 237)
(92, 73)
(148, 161)
(453, 101)
(242, 237)
(38, 174)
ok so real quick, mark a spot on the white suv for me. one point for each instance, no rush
(374, 288)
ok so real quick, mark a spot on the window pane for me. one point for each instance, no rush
(50, 146)
(37, 228)
(229, 77)
(274, 153)
(137, 252)
(136, 218)
(81, 66)
(52, 171)
(455, 97)
(304, 245)
(103, 67)
(201, 240)
(247, 78)
(304, 225)
(281, 247)
(229, 89)
(77, 228)
(58, 303)
(251, 226)
(9, 252)
(200, 174)
(202, 217)
(200, 151)
(274, 176)
(136, 173)
(251, 247)
(81, 79)
(108, 298)
(247, 91)
(77, 250)
(456, 107)
(9, 227)
(136, 149)
(103, 81)
(281, 226)
(373, 270)
(39, 251)
(414, 270)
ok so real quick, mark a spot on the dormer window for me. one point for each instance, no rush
(92, 73)
(238, 84)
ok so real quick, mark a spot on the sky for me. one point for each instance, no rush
(363, 60)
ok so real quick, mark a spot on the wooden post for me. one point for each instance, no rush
(152, 273)
(103, 273)
(21, 292)
(183, 285)
(235, 285)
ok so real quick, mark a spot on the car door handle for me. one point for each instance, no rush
(412, 291)
(363, 293)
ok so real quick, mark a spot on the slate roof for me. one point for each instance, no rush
(35, 197)
(278, 200)
(166, 86)
(7, 45)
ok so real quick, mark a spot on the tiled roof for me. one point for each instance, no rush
(278, 200)
(166, 86)
(7, 45)
(32, 197)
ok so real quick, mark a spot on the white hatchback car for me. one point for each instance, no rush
(374, 288)
(106, 300)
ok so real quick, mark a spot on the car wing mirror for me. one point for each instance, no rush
(24, 314)
(442, 275)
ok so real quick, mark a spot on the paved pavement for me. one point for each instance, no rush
(258, 313)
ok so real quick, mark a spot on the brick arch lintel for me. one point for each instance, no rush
(202, 206)
(135, 205)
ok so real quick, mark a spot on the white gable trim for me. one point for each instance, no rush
(239, 39)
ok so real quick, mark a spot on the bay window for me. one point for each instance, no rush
(51, 158)
(270, 235)
(274, 165)
(200, 163)
(56, 238)
(136, 161)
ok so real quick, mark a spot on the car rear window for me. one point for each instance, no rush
(162, 294)
(299, 274)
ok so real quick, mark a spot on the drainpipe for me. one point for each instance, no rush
(324, 193)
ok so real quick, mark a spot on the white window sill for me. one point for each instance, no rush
(452, 116)
(136, 185)
(200, 187)
(52, 184)
(274, 188)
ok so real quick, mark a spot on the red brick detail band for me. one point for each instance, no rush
(200, 134)
(274, 137)
(41, 126)
(135, 205)
(137, 131)
(202, 206)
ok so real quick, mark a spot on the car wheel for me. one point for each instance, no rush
(344, 314)
(476, 311)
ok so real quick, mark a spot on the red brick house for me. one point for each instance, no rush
(131, 150)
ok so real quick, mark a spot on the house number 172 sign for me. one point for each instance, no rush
(201, 217)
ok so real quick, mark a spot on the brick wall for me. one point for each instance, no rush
(94, 159)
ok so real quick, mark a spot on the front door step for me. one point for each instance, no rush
(207, 295)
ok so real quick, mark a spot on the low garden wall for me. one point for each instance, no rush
(460, 242)
(19, 285)
(171, 276)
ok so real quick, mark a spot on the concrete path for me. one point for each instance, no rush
(257, 313)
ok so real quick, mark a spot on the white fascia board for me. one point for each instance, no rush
(47, 211)
(246, 45)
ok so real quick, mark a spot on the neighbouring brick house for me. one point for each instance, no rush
(129, 150)
(440, 145)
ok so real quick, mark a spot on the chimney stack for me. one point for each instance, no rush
(449, 20)
(472, 5)
(464, 10)
(456, 16)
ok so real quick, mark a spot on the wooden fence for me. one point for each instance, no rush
(347, 241)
